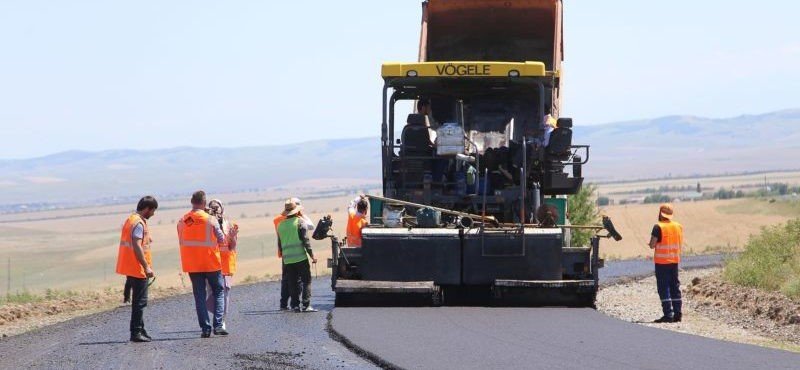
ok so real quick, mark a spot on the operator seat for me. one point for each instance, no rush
(415, 138)
(560, 140)
(415, 142)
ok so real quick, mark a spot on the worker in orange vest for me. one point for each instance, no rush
(227, 254)
(200, 236)
(667, 239)
(309, 225)
(357, 219)
(135, 261)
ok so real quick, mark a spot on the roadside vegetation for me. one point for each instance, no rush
(582, 210)
(770, 261)
(26, 296)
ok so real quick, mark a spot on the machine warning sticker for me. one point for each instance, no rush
(464, 70)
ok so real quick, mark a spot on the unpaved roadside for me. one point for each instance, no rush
(18, 318)
(637, 301)
(262, 337)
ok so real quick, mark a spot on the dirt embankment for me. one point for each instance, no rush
(17, 318)
(767, 312)
(712, 308)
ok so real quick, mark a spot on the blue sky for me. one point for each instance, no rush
(94, 75)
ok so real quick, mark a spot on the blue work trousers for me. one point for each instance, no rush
(669, 288)
(215, 281)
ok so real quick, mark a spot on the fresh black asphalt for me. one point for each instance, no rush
(542, 338)
(262, 337)
(432, 338)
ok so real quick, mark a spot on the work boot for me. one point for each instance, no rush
(206, 334)
(137, 337)
(309, 309)
(663, 319)
(144, 334)
(296, 309)
(678, 317)
(284, 308)
(220, 331)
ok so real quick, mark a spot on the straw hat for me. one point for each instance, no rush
(665, 211)
(291, 208)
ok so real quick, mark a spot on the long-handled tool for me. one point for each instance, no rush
(442, 210)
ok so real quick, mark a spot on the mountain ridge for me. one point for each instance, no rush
(647, 148)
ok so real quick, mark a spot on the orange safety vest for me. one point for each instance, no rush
(127, 264)
(668, 250)
(199, 245)
(277, 221)
(354, 226)
(227, 255)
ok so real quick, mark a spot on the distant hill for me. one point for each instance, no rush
(675, 145)
(75, 177)
(686, 145)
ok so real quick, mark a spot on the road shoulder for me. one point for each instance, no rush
(637, 301)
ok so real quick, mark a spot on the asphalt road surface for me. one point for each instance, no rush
(446, 337)
(262, 337)
(541, 338)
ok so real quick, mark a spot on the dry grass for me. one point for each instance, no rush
(709, 226)
(79, 252)
(624, 190)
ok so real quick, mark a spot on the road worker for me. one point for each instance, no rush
(296, 249)
(424, 108)
(667, 239)
(357, 219)
(200, 236)
(227, 253)
(284, 302)
(134, 260)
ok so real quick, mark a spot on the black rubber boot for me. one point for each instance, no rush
(139, 338)
(663, 319)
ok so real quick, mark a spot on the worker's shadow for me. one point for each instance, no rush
(321, 308)
(265, 312)
(125, 341)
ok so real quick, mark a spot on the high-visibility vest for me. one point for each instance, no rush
(227, 255)
(668, 250)
(199, 245)
(277, 221)
(292, 246)
(127, 264)
(354, 225)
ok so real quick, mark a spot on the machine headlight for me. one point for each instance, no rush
(513, 73)
(411, 73)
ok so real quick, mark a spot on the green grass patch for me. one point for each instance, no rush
(770, 260)
(26, 296)
(763, 206)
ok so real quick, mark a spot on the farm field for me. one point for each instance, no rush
(618, 191)
(709, 226)
(76, 249)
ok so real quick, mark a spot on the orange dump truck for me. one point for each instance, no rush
(492, 30)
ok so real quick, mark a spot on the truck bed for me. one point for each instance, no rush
(492, 30)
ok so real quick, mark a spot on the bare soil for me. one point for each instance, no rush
(771, 313)
(710, 310)
(17, 318)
